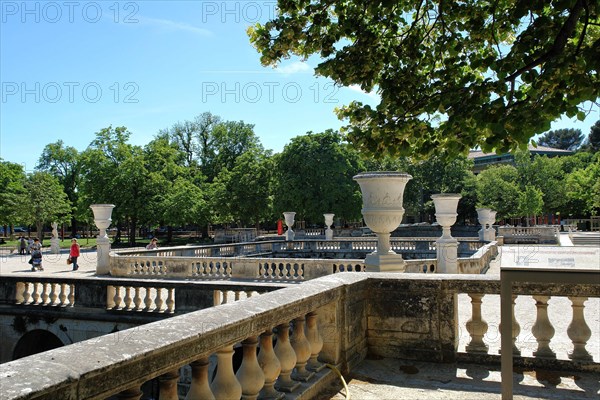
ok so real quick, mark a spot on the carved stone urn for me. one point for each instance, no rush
(383, 194)
(102, 219)
(289, 222)
(328, 223)
(446, 205)
(483, 215)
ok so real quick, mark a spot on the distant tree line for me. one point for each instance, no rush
(209, 171)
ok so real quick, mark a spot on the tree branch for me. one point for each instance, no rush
(559, 43)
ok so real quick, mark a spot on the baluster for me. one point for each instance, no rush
(261, 269)
(199, 387)
(44, 296)
(476, 326)
(19, 290)
(302, 348)
(237, 295)
(159, 301)
(110, 295)
(316, 342)
(217, 297)
(249, 293)
(516, 328)
(72, 295)
(26, 294)
(225, 295)
(147, 299)
(63, 294)
(270, 365)
(117, 299)
(128, 299)
(578, 331)
(543, 330)
(53, 294)
(287, 357)
(225, 385)
(133, 393)
(35, 296)
(171, 301)
(250, 375)
(168, 385)
(137, 299)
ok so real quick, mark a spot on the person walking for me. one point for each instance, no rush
(22, 245)
(74, 253)
(153, 244)
(36, 255)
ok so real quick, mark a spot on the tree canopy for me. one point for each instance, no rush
(451, 75)
(565, 139)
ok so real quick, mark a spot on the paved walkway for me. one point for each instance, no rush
(54, 264)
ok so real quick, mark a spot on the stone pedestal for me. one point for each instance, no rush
(382, 194)
(102, 219)
(447, 247)
(289, 222)
(328, 223)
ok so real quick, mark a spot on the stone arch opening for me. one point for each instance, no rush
(34, 342)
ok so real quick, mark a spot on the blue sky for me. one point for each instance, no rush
(69, 69)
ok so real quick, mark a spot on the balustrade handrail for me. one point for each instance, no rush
(96, 368)
(277, 243)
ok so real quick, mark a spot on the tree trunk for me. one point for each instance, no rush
(169, 234)
(132, 232)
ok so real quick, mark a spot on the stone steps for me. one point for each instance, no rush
(586, 239)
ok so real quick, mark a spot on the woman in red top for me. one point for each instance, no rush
(74, 253)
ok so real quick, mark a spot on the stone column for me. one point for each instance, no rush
(382, 194)
(446, 205)
(102, 219)
(55, 241)
(289, 222)
(483, 215)
(328, 223)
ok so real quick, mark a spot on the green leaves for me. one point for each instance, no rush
(477, 65)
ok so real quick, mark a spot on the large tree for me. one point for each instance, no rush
(116, 172)
(498, 189)
(451, 75)
(592, 142)
(12, 192)
(63, 163)
(313, 175)
(244, 194)
(45, 201)
(565, 139)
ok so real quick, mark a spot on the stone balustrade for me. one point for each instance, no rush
(121, 296)
(263, 261)
(532, 234)
(409, 316)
